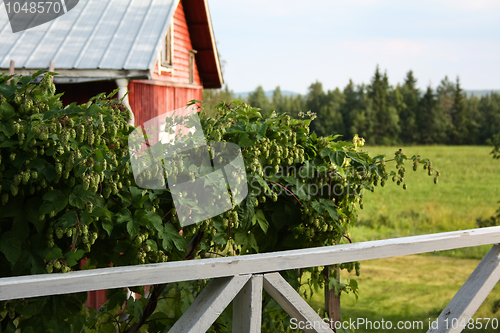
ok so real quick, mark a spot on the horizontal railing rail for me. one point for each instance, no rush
(139, 275)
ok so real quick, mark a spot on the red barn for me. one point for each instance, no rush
(162, 51)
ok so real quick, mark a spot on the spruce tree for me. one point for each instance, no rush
(445, 93)
(489, 108)
(277, 102)
(430, 119)
(258, 99)
(363, 117)
(408, 111)
(330, 120)
(351, 103)
(473, 120)
(386, 129)
(460, 134)
(315, 99)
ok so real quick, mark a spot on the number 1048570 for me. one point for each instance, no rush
(479, 323)
(33, 7)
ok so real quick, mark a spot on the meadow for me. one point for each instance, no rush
(418, 287)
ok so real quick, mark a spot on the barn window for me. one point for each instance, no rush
(167, 51)
(191, 65)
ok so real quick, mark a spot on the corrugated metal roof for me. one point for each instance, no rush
(96, 34)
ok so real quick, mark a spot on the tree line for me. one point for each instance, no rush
(387, 115)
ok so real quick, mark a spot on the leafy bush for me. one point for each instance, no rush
(68, 193)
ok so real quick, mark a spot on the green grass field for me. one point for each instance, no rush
(468, 188)
(418, 287)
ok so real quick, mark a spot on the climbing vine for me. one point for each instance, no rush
(70, 202)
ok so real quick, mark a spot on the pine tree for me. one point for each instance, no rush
(315, 99)
(430, 119)
(489, 109)
(473, 120)
(363, 117)
(386, 129)
(258, 99)
(330, 120)
(445, 93)
(459, 117)
(351, 102)
(277, 102)
(408, 111)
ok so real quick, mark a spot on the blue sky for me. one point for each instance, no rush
(293, 43)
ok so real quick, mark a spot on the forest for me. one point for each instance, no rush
(385, 114)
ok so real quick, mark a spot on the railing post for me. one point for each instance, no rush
(209, 304)
(290, 301)
(471, 295)
(332, 299)
(247, 307)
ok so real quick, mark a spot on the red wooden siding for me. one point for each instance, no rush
(182, 46)
(149, 100)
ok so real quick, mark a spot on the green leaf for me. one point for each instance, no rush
(171, 237)
(107, 225)
(79, 197)
(38, 73)
(53, 201)
(93, 110)
(6, 111)
(248, 211)
(37, 164)
(246, 241)
(133, 227)
(55, 253)
(260, 218)
(336, 156)
(220, 238)
(124, 215)
(81, 170)
(98, 154)
(353, 284)
(133, 221)
(24, 80)
(330, 206)
(68, 220)
(155, 220)
(307, 170)
(153, 244)
(10, 246)
(245, 141)
(138, 197)
(262, 128)
(7, 90)
(334, 284)
(73, 257)
(137, 308)
(355, 157)
(49, 172)
(116, 298)
(7, 129)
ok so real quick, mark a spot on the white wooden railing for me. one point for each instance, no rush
(243, 278)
